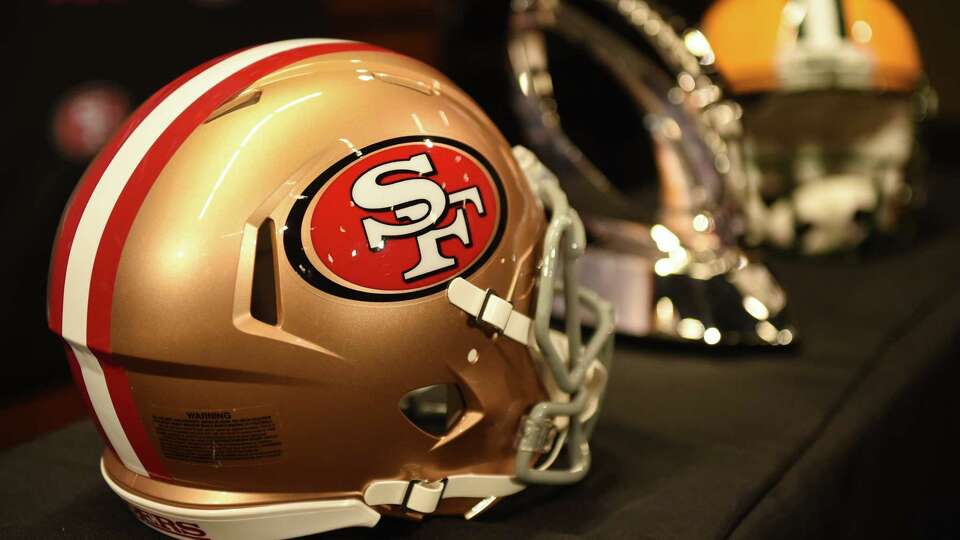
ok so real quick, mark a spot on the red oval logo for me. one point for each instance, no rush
(396, 220)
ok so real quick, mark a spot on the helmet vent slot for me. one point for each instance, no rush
(240, 101)
(434, 409)
(263, 294)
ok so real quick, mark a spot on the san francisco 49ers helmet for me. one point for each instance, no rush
(832, 91)
(307, 284)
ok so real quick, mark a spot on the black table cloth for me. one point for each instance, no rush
(851, 434)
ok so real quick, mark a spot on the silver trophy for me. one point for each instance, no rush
(671, 263)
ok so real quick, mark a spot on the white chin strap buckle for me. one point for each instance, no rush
(490, 310)
(424, 496)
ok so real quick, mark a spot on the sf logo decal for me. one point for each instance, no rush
(396, 221)
(417, 205)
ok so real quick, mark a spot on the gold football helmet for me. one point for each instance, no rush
(308, 283)
(832, 91)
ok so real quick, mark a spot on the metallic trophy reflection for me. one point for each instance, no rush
(671, 264)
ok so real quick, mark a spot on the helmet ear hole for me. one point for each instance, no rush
(434, 409)
(263, 294)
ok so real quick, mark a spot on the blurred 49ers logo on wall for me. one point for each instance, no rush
(396, 220)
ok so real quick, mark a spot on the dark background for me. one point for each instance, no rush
(55, 47)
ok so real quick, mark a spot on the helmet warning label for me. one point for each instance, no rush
(218, 437)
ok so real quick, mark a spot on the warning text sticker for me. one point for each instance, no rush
(219, 437)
